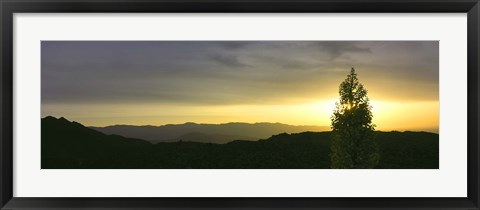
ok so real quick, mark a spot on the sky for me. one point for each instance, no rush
(101, 83)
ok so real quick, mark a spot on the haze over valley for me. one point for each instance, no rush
(213, 133)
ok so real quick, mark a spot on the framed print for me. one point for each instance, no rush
(239, 105)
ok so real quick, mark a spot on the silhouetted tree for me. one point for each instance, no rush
(353, 140)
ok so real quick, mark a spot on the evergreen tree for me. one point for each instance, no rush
(353, 144)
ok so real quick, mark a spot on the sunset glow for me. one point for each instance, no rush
(296, 83)
(388, 115)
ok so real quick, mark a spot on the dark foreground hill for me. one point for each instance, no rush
(71, 145)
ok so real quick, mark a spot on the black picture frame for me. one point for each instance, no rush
(9, 7)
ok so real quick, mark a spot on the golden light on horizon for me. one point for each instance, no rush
(406, 115)
(387, 115)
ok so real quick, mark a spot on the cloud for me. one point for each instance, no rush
(337, 48)
(228, 60)
(205, 72)
(234, 45)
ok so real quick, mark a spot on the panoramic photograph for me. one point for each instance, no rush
(240, 104)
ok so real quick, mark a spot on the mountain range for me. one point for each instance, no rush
(70, 145)
(207, 133)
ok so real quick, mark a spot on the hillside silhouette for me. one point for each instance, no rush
(208, 133)
(70, 145)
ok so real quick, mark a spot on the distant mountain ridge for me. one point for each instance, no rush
(207, 133)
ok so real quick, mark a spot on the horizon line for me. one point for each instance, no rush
(431, 130)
